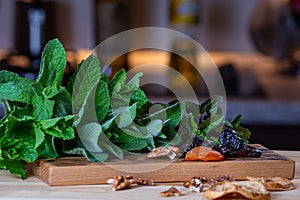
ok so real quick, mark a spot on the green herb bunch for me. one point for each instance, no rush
(37, 112)
(46, 120)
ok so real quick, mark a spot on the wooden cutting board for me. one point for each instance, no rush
(78, 171)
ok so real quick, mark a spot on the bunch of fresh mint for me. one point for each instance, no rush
(37, 112)
(94, 116)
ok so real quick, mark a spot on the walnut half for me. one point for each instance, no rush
(170, 152)
(172, 191)
(125, 182)
(199, 184)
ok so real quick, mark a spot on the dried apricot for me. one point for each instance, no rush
(204, 153)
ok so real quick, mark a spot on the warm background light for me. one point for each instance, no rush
(141, 57)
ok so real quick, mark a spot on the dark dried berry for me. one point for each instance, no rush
(233, 145)
(231, 139)
(197, 141)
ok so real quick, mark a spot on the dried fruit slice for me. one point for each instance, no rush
(274, 183)
(204, 153)
(249, 189)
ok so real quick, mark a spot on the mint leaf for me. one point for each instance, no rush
(108, 123)
(77, 151)
(110, 147)
(59, 132)
(71, 82)
(97, 157)
(139, 97)
(9, 148)
(43, 108)
(138, 131)
(50, 92)
(171, 114)
(22, 129)
(63, 103)
(211, 105)
(228, 124)
(118, 80)
(89, 135)
(86, 113)
(14, 167)
(59, 127)
(45, 124)
(244, 133)
(122, 94)
(121, 98)
(87, 78)
(28, 153)
(134, 83)
(125, 115)
(169, 137)
(19, 90)
(154, 127)
(175, 111)
(211, 123)
(236, 121)
(130, 143)
(47, 148)
(114, 149)
(52, 65)
(8, 76)
(135, 138)
(39, 135)
(187, 129)
(102, 101)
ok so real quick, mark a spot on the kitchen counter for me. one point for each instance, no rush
(11, 187)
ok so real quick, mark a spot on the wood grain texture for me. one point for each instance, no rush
(78, 171)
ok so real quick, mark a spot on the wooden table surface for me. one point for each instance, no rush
(11, 187)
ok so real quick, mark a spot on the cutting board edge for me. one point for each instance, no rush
(87, 174)
(50, 175)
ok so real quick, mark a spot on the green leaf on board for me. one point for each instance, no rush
(88, 76)
(102, 101)
(53, 64)
(19, 90)
(43, 108)
(125, 115)
(89, 135)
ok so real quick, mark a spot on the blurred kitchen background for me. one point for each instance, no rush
(255, 44)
